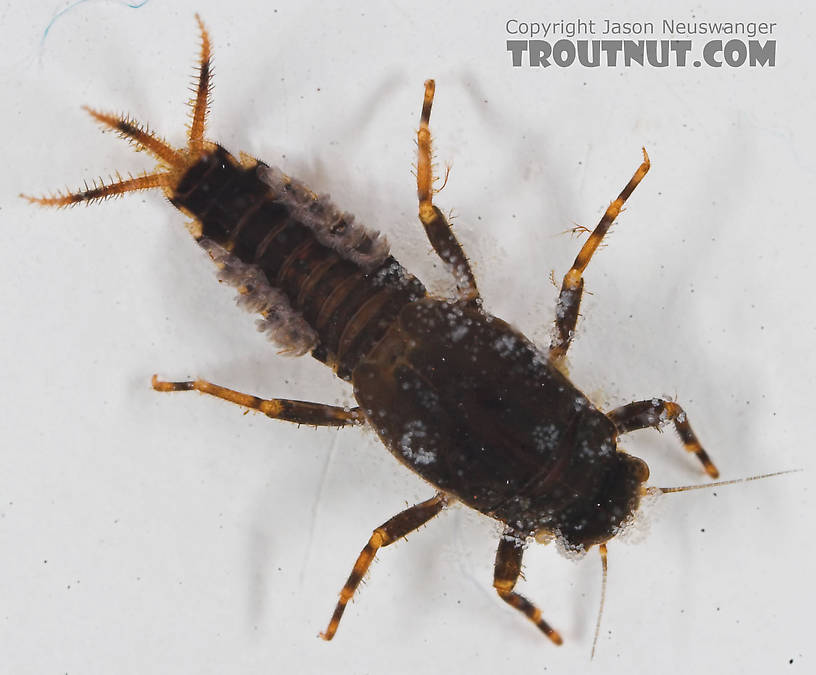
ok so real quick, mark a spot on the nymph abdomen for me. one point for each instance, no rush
(323, 283)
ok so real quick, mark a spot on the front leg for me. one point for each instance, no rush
(507, 572)
(299, 412)
(655, 413)
(436, 225)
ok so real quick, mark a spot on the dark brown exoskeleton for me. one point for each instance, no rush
(457, 395)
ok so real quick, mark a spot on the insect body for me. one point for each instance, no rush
(458, 395)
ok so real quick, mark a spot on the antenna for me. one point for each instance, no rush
(684, 488)
(602, 549)
(660, 490)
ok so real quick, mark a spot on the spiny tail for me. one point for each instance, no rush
(172, 161)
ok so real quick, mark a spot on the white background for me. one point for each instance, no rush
(152, 533)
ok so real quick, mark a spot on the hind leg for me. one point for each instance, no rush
(436, 225)
(300, 412)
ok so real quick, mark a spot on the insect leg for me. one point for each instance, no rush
(507, 572)
(300, 412)
(398, 527)
(569, 300)
(436, 225)
(654, 413)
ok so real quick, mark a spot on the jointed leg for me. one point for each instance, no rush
(398, 527)
(507, 572)
(569, 300)
(436, 225)
(300, 412)
(654, 413)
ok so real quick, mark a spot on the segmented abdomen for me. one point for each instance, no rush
(323, 283)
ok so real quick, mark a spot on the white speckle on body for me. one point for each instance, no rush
(413, 444)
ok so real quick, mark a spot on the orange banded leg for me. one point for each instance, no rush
(569, 300)
(436, 226)
(398, 527)
(507, 572)
(300, 412)
(656, 412)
